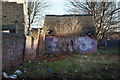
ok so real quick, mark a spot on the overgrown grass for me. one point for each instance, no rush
(104, 50)
(103, 65)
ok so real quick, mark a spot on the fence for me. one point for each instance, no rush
(80, 45)
(111, 43)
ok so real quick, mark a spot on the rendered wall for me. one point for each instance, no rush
(80, 45)
(41, 44)
(31, 48)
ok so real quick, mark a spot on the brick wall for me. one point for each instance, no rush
(12, 50)
(17, 48)
(13, 13)
(41, 44)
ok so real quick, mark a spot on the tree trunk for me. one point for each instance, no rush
(29, 27)
(29, 30)
(101, 41)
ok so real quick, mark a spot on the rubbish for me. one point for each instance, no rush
(38, 62)
(50, 70)
(45, 60)
(89, 70)
(113, 76)
(24, 71)
(52, 58)
(18, 72)
(98, 53)
(51, 55)
(75, 70)
(10, 76)
(5, 75)
(85, 56)
(83, 75)
(68, 64)
(106, 68)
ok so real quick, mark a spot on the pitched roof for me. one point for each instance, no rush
(70, 24)
(68, 15)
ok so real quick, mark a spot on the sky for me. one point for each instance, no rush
(57, 7)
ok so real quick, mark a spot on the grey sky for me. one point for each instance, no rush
(57, 7)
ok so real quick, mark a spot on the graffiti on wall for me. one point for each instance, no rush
(84, 43)
(53, 44)
(81, 44)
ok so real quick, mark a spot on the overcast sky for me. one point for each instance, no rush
(57, 7)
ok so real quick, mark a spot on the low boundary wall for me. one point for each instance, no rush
(79, 45)
(12, 50)
(17, 48)
(31, 48)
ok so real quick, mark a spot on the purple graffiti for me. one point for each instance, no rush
(78, 44)
(53, 43)
(84, 43)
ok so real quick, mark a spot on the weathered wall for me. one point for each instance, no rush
(81, 45)
(31, 48)
(34, 47)
(17, 48)
(41, 44)
(12, 50)
(13, 13)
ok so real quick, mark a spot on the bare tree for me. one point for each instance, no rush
(68, 26)
(35, 9)
(46, 30)
(105, 15)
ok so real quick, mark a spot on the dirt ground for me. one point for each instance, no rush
(53, 57)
